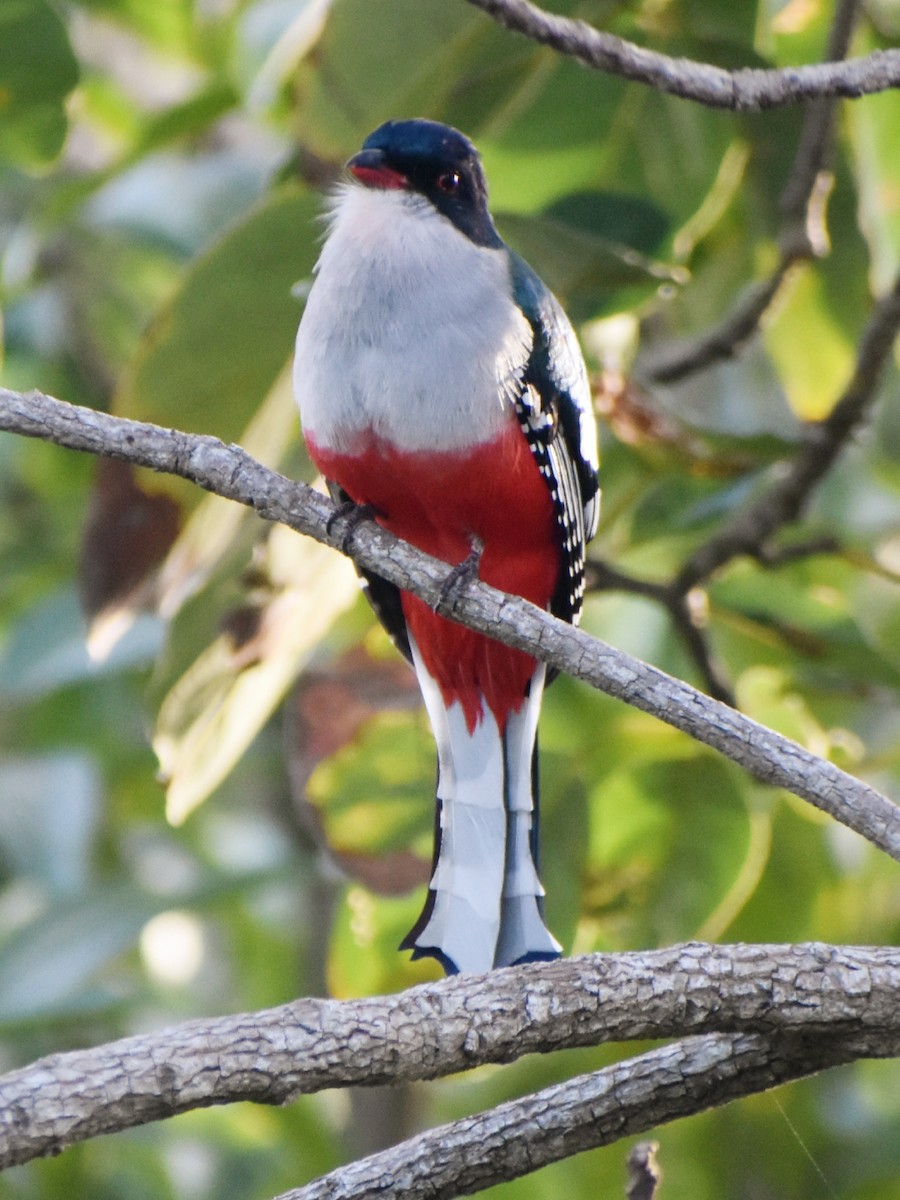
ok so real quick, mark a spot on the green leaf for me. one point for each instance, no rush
(812, 352)
(677, 834)
(46, 965)
(37, 72)
(403, 58)
(49, 818)
(215, 710)
(364, 960)
(375, 794)
(581, 267)
(216, 349)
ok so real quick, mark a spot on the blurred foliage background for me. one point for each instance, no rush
(161, 168)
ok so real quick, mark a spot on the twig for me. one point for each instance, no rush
(671, 362)
(750, 530)
(803, 234)
(815, 148)
(230, 472)
(521, 1136)
(778, 556)
(745, 90)
(811, 991)
(603, 577)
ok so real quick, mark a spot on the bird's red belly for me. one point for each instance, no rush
(440, 502)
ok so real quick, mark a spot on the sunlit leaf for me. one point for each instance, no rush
(216, 350)
(676, 834)
(813, 355)
(211, 529)
(216, 709)
(376, 792)
(368, 930)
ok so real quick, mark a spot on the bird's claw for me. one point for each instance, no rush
(464, 572)
(354, 514)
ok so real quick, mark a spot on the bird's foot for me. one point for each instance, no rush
(463, 573)
(353, 514)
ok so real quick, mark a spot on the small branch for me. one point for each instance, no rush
(778, 556)
(745, 90)
(750, 530)
(601, 577)
(230, 472)
(803, 234)
(524, 1135)
(697, 644)
(814, 992)
(815, 148)
(674, 361)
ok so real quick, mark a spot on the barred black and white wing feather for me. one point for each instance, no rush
(555, 412)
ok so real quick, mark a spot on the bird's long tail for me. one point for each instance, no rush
(484, 900)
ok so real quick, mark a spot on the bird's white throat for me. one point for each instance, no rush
(410, 331)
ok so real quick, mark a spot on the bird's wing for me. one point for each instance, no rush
(556, 415)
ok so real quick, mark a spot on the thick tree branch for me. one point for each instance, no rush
(813, 994)
(745, 90)
(594, 1110)
(230, 472)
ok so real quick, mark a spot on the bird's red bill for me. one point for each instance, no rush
(378, 177)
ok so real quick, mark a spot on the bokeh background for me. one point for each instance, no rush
(215, 775)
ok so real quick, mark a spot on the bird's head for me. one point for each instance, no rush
(433, 161)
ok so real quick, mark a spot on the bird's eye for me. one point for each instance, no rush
(449, 182)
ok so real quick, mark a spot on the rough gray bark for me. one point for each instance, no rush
(841, 999)
(744, 90)
(230, 472)
(594, 1110)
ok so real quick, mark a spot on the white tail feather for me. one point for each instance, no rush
(523, 934)
(483, 908)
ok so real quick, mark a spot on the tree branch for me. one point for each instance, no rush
(603, 577)
(745, 90)
(750, 529)
(803, 233)
(230, 472)
(676, 359)
(594, 1110)
(812, 993)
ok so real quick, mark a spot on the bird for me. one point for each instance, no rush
(441, 388)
